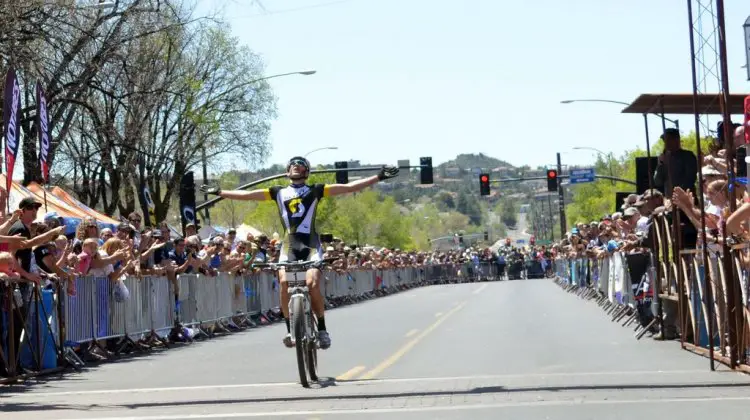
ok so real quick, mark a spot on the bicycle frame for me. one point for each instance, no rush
(298, 289)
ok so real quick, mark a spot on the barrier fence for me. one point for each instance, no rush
(49, 330)
(704, 300)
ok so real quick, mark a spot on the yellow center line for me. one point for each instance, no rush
(350, 373)
(411, 332)
(408, 346)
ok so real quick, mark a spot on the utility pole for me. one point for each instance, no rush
(551, 218)
(561, 197)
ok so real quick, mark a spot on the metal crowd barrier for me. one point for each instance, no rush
(58, 327)
(608, 282)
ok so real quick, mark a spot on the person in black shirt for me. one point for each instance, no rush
(181, 258)
(677, 168)
(29, 208)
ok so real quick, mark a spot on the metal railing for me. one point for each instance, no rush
(52, 330)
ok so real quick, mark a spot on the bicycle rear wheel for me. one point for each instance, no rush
(298, 322)
(312, 351)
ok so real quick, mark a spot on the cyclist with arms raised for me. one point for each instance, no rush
(297, 204)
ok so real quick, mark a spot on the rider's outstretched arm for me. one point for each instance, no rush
(338, 189)
(254, 195)
(352, 187)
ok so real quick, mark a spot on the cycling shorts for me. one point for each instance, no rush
(304, 254)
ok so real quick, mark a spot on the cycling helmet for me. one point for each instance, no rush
(299, 160)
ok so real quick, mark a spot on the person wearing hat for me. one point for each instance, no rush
(629, 201)
(232, 239)
(191, 229)
(22, 228)
(53, 220)
(28, 208)
(677, 167)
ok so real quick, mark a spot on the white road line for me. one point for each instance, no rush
(564, 403)
(647, 373)
(478, 291)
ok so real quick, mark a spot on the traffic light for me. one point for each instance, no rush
(484, 184)
(486, 236)
(425, 172)
(342, 177)
(552, 180)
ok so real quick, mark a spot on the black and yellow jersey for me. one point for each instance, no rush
(297, 205)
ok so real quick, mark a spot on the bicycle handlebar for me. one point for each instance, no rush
(296, 264)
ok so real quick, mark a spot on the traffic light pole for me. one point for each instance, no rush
(541, 178)
(551, 231)
(561, 198)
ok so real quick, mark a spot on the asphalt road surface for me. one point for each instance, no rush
(520, 232)
(511, 350)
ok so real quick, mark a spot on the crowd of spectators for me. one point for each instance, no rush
(674, 182)
(631, 230)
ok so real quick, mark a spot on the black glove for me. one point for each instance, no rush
(206, 189)
(387, 172)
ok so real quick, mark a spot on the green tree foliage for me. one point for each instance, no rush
(445, 202)
(230, 212)
(468, 205)
(508, 212)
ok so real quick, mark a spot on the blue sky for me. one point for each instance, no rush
(410, 78)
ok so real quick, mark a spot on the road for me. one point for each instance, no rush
(515, 234)
(520, 232)
(517, 350)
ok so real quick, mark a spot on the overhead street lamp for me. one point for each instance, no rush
(570, 101)
(302, 73)
(100, 5)
(608, 155)
(321, 148)
(205, 168)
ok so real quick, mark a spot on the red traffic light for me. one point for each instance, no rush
(484, 178)
(551, 174)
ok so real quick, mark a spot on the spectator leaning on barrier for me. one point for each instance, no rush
(677, 168)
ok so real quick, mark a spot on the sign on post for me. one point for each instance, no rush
(579, 176)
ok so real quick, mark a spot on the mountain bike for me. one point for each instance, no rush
(303, 324)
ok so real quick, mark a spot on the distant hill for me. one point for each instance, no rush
(471, 161)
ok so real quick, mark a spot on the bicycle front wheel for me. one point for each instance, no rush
(298, 321)
(312, 351)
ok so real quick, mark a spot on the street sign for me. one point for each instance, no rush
(579, 176)
(520, 241)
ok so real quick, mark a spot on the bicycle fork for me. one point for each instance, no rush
(296, 296)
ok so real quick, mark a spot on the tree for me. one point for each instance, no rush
(137, 95)
(508, 213)
(469, 206)
(230, 212)
(445, 201)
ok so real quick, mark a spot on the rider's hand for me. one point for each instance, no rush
(207, 189)
(387, 172)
